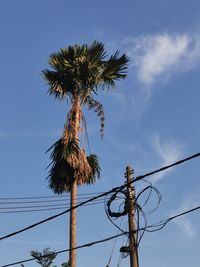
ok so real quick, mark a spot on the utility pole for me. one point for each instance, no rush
(131, 222)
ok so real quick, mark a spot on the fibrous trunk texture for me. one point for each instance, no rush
(81, 168)
(72, 240)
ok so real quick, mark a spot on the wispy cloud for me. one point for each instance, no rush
(184, 223)
(168, 151)
(162, 55)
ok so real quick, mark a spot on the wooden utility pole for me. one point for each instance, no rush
(131, 210)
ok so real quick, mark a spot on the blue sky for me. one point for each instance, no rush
(152, 119)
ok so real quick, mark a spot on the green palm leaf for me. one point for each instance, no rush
(96, 170)
(82, 70)
(61, 173)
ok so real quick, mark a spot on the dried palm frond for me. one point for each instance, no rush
(98, 109)
(81, 167)
(67, 165)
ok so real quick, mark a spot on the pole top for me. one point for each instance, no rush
(129, 169)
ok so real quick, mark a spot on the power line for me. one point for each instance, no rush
(46, 209)
(161, 224)
(183, 213)
(35, 201)
(113, 248)
(37, 206)
(55, 216)
(101, 195)
(63, 202)
(108, 238)
(66, 250)
(25, 211)
(138, 178)
(39, 201)
(43, 197)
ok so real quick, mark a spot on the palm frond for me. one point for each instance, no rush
(95, 167)
(63, 150)
(68, 163)
(61, 174)
(61, 177)
(96, 54)
(83, 70)
(115, 69)
(60, 84)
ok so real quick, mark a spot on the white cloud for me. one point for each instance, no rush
(162, 55)
(168, 151)
(183, 222)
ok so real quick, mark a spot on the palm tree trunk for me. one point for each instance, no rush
(72, 234)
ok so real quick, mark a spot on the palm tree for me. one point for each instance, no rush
(77, 73)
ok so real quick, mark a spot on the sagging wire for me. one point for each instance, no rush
(86, 134)
(113, 248)
(112, 237)
(139, 213)
(139, 210)
(109, 213)
(151, 190)
(119, 260)
(123, 255)
(103, 194)
(140, 234)
(66, 250)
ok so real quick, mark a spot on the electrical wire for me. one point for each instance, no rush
(63, 202)
(152, 189)
(113, 190)
(66, 250)
(138, 209)
(57, 215)
(25, 211)
(140, 234)
(114, 244)
(35, 201)
(161, 224)
(47, 209)
(121, 256)
(43, 197)
(107, 204)
(86, 134)
(37, 206)
(108, 238)
(138, 178)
